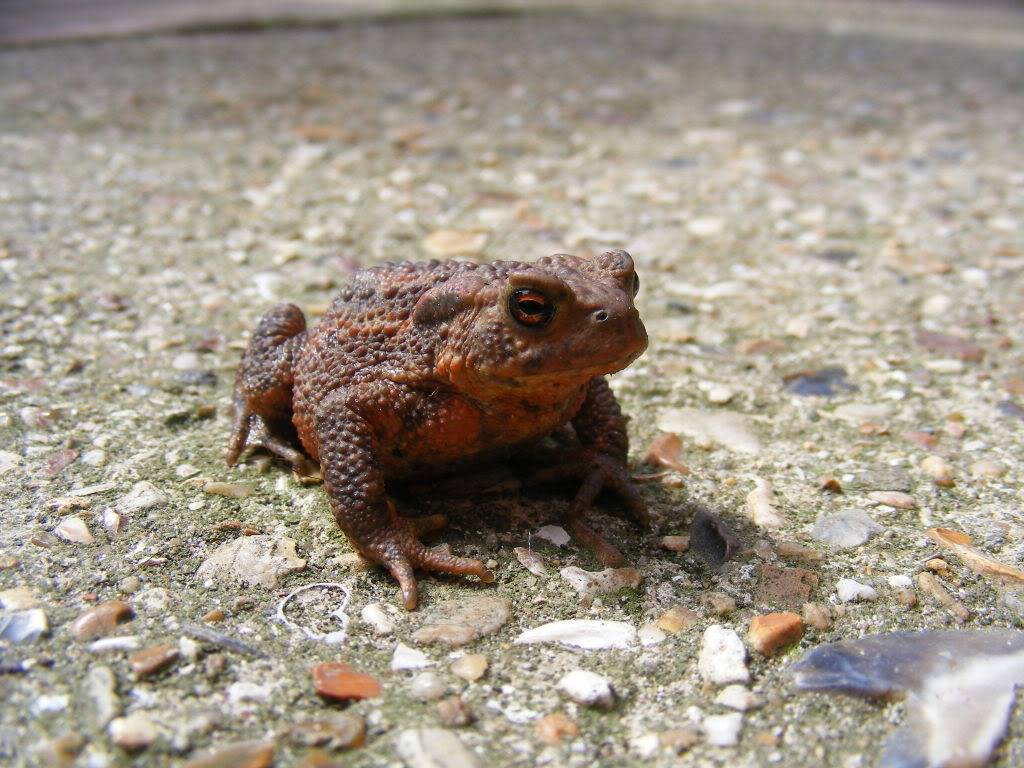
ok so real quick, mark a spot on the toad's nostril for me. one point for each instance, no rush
(600, 316)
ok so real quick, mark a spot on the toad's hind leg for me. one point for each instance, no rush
(263, 387)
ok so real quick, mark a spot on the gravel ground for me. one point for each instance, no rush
(828, 233)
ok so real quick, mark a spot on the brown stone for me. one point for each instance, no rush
(242, 755)
(470, 667)
(677, 618)
(895, 499)
(675, 543)
(950, 345)
(937, 565)
(214, 665)
(906, 597)
(830, 485)
(551, 729)
(454, 712)
(342, 731)
(100, 620)
(721, 604)
(151, 660)
(925, 440)
(772, 631)
(679, 740)
(319, 759)
(817, 616)
(798, 551)
(337, 680)
(664, 451)
(930, 585)
(784, 587)
(214, 616)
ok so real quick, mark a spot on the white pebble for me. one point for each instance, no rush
(722, 656)
(427, 686)
(405, 657)
(850, 591)
(737, 697)
(588, 688)
(378, 619)
(553, 533)
(899, 581)
(723, 730)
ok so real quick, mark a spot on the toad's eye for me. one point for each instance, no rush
(530, 307)
(633, 284)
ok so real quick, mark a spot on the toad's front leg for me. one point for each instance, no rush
(599, 463)
(354, 480)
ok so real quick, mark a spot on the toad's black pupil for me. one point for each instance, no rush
(531, 307)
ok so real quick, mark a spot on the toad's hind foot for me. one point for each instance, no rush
(400, 550)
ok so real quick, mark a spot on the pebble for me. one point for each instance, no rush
(939, 470)
(590, 584)
(856, 414)
(134, 732)
(930, 585)
(60, 752)
(760, 506)
(737, 697)
(427, 686)
(18, 599)
(588, 688)
(665, 451)
(113, 522)
(589, 634)
(958, 687)
(783, 587)
(377, 618)
(454, 242)
(719, 394)
(229, 490)
(675, 543)
(151, 660)
(988, 468)
(677, 618)
(720, 603)
(798, 551)
(252, 561)
(470, 667)
(405, 657)
(245, 690)
(817, 615)
(850, 591)
(454, 712)
(337, 680)
(463, 620)
(155, 601)
(143, 495)
(100, 620)
(119, 643)
(96, 457)
(556, 534)
(896, 499)
(553, 728)
(75, 530)
(242, 755)
(772, 631)
(900, 581)
(723, 730)
(731, 430)
(531, 561)
(722, 657)
(705, 227)
(678, 740)
(341, 730)
(101, 688)
(650, 634)
(24, 626)
(846, 529)
(433, 748)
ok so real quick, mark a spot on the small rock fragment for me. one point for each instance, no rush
(143, 495)
(720, 603)
(590, 584)
(650, 634)
(675, 543)
(710, 538)
(930, 585)
(341, 731)
(427, 686)
(553, 728)
(75, 530)
(242, 755)
(723, 730)
(433, 748)
(784, 587)
(18, 599)
(377, 618)
(678, 740)
(988, 468)
(896, 499)
(252, 561)
(463, 620)
(722, 657)
(454, 242)
(939, 470)
(589, 634)
(531, 561)
(454, 712)
(676, 619)
(101, 620)
(772, 631)
(151, 660)
(731, 430)
(134, 732)
(817, 616)
(23, 626)
(796, 551)
(737, 697)
(470, 667)
(405, 657)
(337, 680)
(664, 451)
(975, 559)
(850, 591)
(556, 534)
(847, 529)
(588, 688)
(761, 505)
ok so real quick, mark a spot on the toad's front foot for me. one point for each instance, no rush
(399, 549)
(596, 472)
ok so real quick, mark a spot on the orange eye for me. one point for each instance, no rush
(530, 307)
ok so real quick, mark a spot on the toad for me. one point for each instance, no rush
(419, 366)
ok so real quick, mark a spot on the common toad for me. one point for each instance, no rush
(420, 365)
